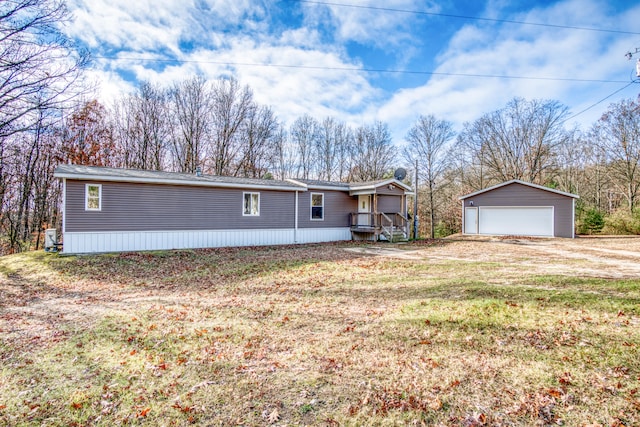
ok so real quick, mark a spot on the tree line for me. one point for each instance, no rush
(48, 117)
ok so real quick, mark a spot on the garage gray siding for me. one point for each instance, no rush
(337, 207)
(149, 207)
(516, 194)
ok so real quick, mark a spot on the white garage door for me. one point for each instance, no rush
(517, 221)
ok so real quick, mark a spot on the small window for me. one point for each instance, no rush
(251, 204)
(93, 197)
(317, 206)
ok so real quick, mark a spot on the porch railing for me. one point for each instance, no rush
(388, 224)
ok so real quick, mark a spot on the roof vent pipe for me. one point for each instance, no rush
(198, 171)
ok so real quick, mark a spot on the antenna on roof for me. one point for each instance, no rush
(400, 174)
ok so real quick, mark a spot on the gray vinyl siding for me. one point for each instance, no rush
(148, 207)
(395, 190)
(521, 195)
(337, 207)
(390, 204)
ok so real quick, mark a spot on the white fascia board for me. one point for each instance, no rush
(326, 188)
(402, 185)
(91, 177)
(317, 187)
(294, 182)
(361, 192)
(370, 187)
(355, 189)
(517, 181)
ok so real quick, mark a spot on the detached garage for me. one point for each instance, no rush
(519, 208)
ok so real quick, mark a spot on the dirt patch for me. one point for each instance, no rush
(390, 251)
(603, 257)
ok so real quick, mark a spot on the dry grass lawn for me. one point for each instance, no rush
(496, 332)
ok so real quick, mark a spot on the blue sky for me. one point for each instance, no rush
(335, 57)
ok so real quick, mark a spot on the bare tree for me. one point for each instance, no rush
(427, 142)
(284, 156)
(190, 108)
(257, 150)
(40, 74)
(372, 152)
(517, 142)
(151, 127)
(40, 68)
(596, 190)
(333, 150)
(304, 135)
(231, 106)
(28, 172)
(142, 128)
(617, 133)
(343, 140)
(327, 149)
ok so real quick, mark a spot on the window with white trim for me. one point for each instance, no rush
(317, 206)
(93, 197)
(251, 204)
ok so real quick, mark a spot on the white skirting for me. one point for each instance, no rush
(125, 241)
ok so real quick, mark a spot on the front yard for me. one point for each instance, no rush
(453, 333)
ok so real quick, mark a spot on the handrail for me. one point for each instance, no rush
(385, 229)
(404, 218)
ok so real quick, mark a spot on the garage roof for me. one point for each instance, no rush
(517, 181)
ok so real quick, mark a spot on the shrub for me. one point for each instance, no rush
(443, 229)
(622, 222)
(591, 222)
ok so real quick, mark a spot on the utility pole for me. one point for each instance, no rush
(630, 54)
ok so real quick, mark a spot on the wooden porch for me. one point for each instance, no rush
(394, 227)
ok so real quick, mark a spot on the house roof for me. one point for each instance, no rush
(353, 188)
(372, 185)
(157, 177)
(314, 184)
(98, 173)
(517, 181)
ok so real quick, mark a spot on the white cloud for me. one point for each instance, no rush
(382, 26)
(144, 25)
(516, 50)
(300, 88)
(211, 36)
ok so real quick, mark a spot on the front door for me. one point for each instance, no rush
(364, 210)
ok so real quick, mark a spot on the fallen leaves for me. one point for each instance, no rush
(376, 342)
(144, 412)
(183, 408)
(274, 416)
(389, 398)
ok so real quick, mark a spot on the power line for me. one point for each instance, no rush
(602, 100)
(367, 70)
(474, 18)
